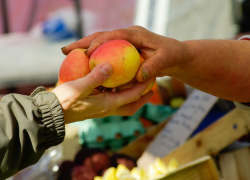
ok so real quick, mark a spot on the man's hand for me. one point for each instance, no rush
(162, 54)
(219, 67)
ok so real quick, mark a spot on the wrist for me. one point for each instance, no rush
(188, 50)
(182, 57)
(52, 116)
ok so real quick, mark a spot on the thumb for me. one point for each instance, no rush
(147, 69)
(96, 77)
(151, 67)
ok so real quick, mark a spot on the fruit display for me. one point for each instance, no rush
(155, 171)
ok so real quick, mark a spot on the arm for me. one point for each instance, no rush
(218, 67)
(28, 126)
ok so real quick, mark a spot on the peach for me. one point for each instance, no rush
(133, 81)
(74, 66)
(123, 57)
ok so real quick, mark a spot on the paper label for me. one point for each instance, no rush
(182, 124)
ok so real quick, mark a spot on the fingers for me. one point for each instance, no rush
(111, 35)
(131, 108)
(95, 78)
(151, 67)
(82, 43)
(132, 34)
(127, 96)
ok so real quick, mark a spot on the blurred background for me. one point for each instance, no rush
(32, 33)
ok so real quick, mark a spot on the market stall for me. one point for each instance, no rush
(180, 133)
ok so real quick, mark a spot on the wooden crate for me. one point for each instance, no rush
(210, 141)
(235, 165)
(200, 169)
(214, 138)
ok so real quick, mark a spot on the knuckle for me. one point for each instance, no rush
(119, 33)
(115, 33)
(137, 97)
(137, 29)
(151, 67)
(96, 41)
(97, 34)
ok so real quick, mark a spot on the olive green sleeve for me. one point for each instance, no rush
(28, 126)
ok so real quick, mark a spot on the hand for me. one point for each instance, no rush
(162, 54)
(80, 100)
(218, 67)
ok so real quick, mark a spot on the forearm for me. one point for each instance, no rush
(219, 67)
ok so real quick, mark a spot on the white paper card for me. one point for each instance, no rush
(182, 124)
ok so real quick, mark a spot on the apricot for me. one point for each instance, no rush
(74, 66)
(133, 81)
(123, 57)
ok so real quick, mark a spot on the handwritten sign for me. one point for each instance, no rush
(181, 126)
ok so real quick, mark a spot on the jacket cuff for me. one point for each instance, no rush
(52, 116)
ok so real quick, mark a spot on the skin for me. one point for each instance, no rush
(218, 67)
(80, 100)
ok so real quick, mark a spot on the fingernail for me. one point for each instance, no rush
(144, 73)
(86, 51)
(63, 49)
(106, 70)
